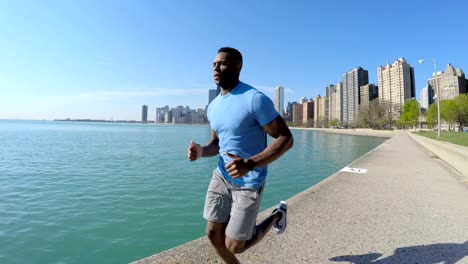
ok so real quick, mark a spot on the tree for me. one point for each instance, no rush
(432, 116)
(457, 111)
(389, 111)
(334, 123)
(410, 114)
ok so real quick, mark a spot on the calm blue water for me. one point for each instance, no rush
(75, 192)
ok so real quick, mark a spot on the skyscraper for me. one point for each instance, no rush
(352, 81)
(308, 114)
(297, 115)
(451, 83)
(144, 114)
(424, 98)
(211, 95)
(368, 93)
(396, 83)
(320, 114)
(339, 102)
(279, 100)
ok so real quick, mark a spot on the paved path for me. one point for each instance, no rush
(410, 207)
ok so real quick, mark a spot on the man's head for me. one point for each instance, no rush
(227, 66)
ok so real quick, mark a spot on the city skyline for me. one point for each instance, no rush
(87, 60)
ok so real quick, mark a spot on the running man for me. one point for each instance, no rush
(240, 118)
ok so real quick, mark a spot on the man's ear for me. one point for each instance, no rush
(239, 66)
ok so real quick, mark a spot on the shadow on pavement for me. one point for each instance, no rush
(448, 253)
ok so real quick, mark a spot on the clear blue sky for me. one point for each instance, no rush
(104, 59)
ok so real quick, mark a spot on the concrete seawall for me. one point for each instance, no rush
(455, 155)
(410, 207)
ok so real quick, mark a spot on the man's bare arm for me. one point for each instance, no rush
(212, 148)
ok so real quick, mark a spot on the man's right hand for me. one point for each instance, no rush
(194, 151)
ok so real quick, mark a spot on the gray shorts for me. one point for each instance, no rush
(229, 203)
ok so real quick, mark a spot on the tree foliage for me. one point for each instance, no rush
(410, 115)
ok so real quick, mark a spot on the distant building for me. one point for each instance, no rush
(304, 99)
(338, 115)
(308, 114)
(451, 83)
(212, 93)
(144, 114)
(168, 116)
(424, 98)
(159, 115)
(396, 84)
(297, 115)
(352, 81)
(279, 100)
(289, 111)
(320, 113)
(330, 106)
(369, 92)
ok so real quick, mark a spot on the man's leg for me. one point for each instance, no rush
(216, 234)
(239, 246)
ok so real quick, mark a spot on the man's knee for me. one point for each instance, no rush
(215, 235)
(235, 246)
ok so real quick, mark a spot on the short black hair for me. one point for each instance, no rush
(235, 54)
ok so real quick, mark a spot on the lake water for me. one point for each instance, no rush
(73, 192)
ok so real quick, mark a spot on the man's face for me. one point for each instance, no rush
(225, 69)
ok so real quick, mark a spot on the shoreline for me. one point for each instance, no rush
(348, 214)
(354, 132)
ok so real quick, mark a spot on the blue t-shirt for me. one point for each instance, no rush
(237, 118)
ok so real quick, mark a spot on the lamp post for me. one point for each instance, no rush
(437, 95)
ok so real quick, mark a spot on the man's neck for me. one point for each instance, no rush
(229, 87)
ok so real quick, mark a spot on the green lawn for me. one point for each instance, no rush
(459, 138)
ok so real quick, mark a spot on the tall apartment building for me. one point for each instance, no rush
(369, 92)
(320, 117)
(297, 115)
(451, 83)
(212, 93)
(279, 100)
(329, 90)
(352, 81)
(289, 111)
(424, 98)
(308, 114)
(159, 115)
(331, 103)
(337, 97)
(144, 114)
(396, 83)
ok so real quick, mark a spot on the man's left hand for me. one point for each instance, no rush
(237, 167)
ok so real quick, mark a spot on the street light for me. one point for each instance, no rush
(437, 95)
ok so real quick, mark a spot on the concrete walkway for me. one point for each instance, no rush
(410, 207)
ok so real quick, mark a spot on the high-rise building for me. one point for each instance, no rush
(144, 114)
(308, 114)
(159, 115)
(451, 83)
(279, 100)
(320, 116)
(212, 93)
(339, 102)
(352, 81)
(329, 90)
(289, 111)
(424, 98)
(297, 115)
(368, 93)
(304, 99)
(396, 84)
